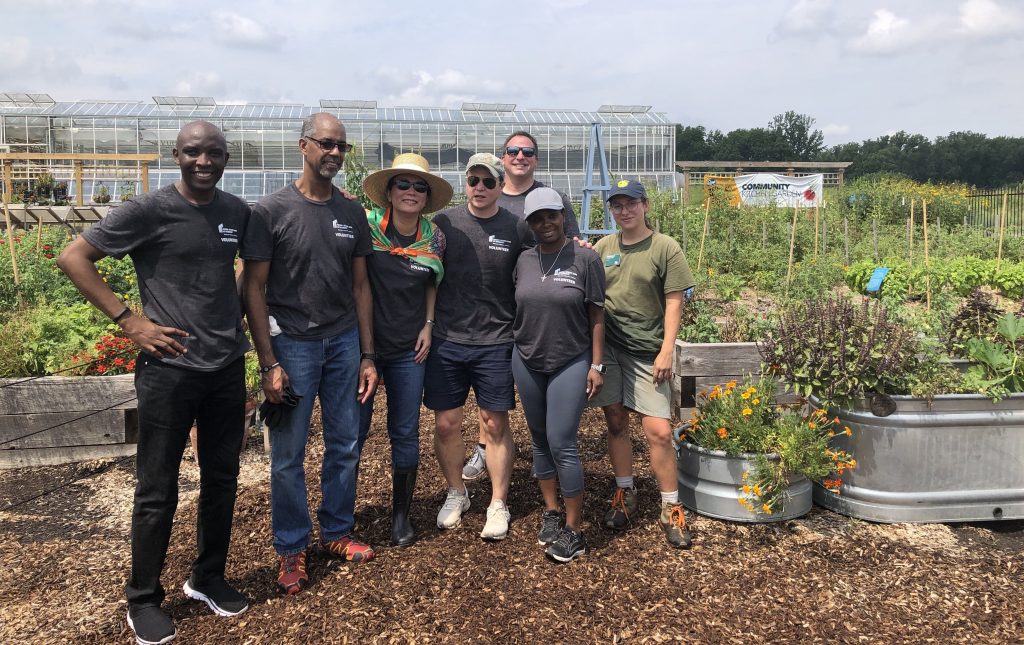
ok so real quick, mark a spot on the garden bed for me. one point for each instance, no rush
(819, 578)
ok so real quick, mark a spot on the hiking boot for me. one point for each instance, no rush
(291, 576)
(625, 507)
(551, 524)
(348, 549)
(476, 466)
(496, 527)
(450, 515)
(221, 597)
(673, 521)
(151, 625)
(569, 546)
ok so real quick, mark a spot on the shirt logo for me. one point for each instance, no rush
(416, 266)
(498, 244)
(612, 260)
(568, 276)
(342, 230)
(227, 235)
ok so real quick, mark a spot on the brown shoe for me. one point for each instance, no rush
(624, 508)
(291, 576)
(349, 549)
(673, 521)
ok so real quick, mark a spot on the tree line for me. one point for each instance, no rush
(969, 157)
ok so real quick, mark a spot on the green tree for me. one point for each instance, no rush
(796, 130)
(691, 143)
(355, 172)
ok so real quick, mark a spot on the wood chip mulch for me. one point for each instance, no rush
(64, 559)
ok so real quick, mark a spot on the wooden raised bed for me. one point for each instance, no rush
(701, 366)
(56, 420)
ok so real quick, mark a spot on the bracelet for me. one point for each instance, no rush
(265, 370)
(121, 316)
(430, 322)
(368, 356)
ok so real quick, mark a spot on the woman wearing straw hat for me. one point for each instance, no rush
(404, 272)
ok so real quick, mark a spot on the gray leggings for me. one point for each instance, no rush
(553, 404)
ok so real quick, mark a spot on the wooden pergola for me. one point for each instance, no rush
(78, 160)
(789, 168)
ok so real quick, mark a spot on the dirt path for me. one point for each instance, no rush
(822, 578)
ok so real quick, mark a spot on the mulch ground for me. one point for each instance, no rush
(821, 578)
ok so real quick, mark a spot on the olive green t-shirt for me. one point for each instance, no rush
(637, 278)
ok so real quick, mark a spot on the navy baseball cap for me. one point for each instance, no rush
(629, 188)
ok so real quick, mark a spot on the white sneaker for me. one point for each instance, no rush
(498, 516)
(450, 515)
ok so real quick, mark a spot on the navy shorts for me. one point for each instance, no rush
(453, 367)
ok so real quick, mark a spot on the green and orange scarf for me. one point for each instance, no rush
(424, 250)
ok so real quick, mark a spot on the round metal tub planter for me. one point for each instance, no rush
(959, 459)
(710, 482)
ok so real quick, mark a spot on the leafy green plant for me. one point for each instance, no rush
(698, 324)
(976, 318)
(742, 420)
(999, 368)
(837, 350)
(42, 340)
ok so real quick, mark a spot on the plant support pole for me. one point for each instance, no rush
(1002, 229)
(910, 261)
(927, 270)
(792, 244)
(704, 233)
(8, 183)
(817, 225)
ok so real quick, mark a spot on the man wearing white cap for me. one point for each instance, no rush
(473, 339)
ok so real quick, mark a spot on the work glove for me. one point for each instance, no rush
(275, 414)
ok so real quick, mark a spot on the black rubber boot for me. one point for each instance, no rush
(403, 485)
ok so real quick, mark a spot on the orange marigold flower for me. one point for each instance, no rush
(831, 434)
(745, 395)
(747, 489)
(836, 421)
(765, 508)
(812, 425)
(757, 490)
(730, 384)
(848, 432)
(722, 433)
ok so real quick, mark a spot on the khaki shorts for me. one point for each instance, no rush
(630, 381)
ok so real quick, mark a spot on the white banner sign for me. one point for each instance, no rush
(765, 189)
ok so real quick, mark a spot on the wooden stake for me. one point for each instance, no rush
(792, 244)
(846, 240)
(927, 272)
(704, 233)
(817, 220)
(911, 242)
(1002, 228)
(8, 189)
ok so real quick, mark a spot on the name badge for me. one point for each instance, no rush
(613, 260)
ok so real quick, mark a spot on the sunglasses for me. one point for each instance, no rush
(327, 145)
(512, 151)
(489, 182)
(405, 184)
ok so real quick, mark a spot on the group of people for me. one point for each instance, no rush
(497, 295)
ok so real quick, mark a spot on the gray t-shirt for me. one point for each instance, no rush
(399, 288)
(475, 301)
(552, 325)
(516, 204)
(310, 246)
(184, 258)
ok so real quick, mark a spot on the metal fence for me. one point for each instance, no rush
(984, 210)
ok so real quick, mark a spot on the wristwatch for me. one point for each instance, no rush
(368, 356)
(598, 367)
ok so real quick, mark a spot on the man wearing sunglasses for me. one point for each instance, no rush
(473, 339)
(310, 311)
(520, 158)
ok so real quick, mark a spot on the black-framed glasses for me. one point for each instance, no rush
(489, 182)
(327, 145)
(622, 207)
(405, 184)
(527, 151)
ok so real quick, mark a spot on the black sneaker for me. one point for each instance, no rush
(569, 546)
(551, 524)
(222, 598)
(151, 625)
(625, 506)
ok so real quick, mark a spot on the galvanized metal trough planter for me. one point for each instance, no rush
(960, 458)
(710, 483)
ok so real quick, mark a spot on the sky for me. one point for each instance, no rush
(860, 68)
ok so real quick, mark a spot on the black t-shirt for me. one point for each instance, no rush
(310, 246)
(399, 288)
(184, 258)
(552, 325)
(475, 301)
(516, 204)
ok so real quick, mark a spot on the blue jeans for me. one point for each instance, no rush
(328, 368)
(403, 379)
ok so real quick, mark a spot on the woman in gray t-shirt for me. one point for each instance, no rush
(559, 340)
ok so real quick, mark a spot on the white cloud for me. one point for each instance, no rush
(806, 17)
(243, 31)
(987, 18)
(833, 130)
(447, 88)
(200, 84)
(887, 33)
(14, 53)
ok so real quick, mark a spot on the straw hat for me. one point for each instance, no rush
(375, 185)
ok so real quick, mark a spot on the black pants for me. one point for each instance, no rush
(170, 400)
